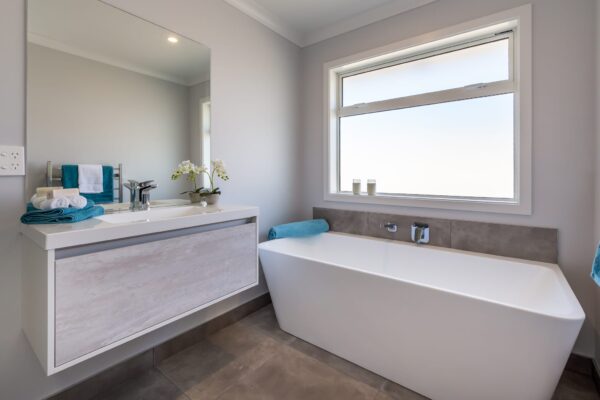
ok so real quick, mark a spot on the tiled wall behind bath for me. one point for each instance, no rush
(529, 243)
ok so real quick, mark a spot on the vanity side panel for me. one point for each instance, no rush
(108, 296)
(36, 301)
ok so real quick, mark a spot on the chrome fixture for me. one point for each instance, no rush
(419, 233)
(139, 194)
(391, 227)
(145, 188)
(133, 187)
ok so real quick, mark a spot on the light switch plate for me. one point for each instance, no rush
(12, 160)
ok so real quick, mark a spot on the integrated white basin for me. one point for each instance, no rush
(155, 214)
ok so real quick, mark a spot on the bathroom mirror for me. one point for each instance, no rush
(106, 87)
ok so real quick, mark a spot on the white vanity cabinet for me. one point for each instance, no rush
(81, 300)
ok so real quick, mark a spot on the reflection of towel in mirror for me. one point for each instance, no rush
(90, 178)
(36, 201)
(43, 203)
(51, 204)
(77, 201)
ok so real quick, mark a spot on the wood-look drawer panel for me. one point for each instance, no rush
(106, 296)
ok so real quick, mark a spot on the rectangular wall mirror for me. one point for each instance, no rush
(107, 88)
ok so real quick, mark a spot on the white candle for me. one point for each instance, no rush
(356, 186)
(371, 187)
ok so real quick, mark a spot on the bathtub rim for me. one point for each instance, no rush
(577, 314)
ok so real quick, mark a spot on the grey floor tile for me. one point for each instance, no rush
(265, 322)
(206, 370)
(254, 360)
(575, 386)
(151, 385)
(339, 364)
(291, 375)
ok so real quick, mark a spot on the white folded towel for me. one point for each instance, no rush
(90, 178)
(77, 201)
(36, 201)
(51, 204)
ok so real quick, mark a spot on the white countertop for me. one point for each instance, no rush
(94, 230)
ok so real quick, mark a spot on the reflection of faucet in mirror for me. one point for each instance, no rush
(133, 187)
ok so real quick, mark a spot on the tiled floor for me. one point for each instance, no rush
(253, 359)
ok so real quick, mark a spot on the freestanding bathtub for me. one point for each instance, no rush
(448, 324)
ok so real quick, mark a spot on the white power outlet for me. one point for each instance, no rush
(12, 160)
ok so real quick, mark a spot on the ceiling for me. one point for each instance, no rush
(307, 22)
(97, 31)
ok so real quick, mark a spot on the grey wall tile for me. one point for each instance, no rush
(439, 229)
(529, 243)
(346, 221)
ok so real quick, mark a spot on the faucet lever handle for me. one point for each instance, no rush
(146, 183)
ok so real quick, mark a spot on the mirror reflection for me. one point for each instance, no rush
(109, 93)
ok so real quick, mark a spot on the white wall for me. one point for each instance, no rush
(254, 93)
(82, 111)
(563, 118)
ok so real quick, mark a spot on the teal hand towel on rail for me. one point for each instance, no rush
(70, 180)
(596, 266)
(299, 229)
(61, 215)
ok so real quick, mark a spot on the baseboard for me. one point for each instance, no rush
(580, 364)
(585, 366)
(596, 375)
(143, 362)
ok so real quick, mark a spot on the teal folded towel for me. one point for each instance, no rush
(61, 215)
(596, 266)
(70, 180)
(299, 229)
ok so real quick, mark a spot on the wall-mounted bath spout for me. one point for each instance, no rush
(419, 233)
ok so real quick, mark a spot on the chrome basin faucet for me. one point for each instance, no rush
(419, 233)
(139, 194)
(144, 198)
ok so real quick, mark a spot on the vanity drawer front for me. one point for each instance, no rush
(106, 296)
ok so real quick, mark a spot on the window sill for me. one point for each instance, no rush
(477, 205)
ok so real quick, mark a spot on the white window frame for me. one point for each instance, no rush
(514, 24)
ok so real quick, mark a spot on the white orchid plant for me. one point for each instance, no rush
(194, 171)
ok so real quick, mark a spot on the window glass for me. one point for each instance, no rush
(461, 148)
(483, 63)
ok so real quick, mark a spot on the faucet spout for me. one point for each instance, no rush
(420, 233)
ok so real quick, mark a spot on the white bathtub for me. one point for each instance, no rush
(448, 324)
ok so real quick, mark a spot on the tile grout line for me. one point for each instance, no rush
(228, 386)
(172, 382)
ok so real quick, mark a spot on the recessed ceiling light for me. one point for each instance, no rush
(172, 39)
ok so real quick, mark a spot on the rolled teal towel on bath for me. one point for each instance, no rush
(61, 215)
(70, 180)
(596, 266)
(299, 229)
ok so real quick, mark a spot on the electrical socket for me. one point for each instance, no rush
(12, 160)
